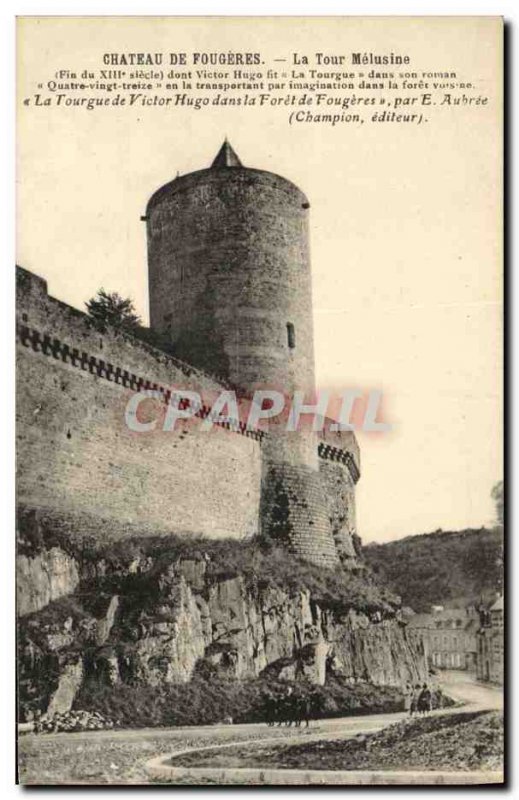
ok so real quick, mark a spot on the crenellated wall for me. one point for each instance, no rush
(76, 454)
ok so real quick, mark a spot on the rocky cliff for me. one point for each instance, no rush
(149, 618)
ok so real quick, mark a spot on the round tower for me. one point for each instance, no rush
(230, 286)
(229, 274)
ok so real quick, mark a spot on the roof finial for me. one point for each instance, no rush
(226, 157)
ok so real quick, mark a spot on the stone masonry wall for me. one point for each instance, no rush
(294, 512)
(339, 489)
(75, 453)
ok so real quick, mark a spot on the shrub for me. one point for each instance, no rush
(209, 699)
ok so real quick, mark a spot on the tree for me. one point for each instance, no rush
(498, 497)
(111, 309)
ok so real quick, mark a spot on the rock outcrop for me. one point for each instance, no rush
(68, 686)
(161, 624)
(47, 576)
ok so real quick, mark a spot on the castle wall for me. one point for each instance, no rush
(76, 455)
(77, 458)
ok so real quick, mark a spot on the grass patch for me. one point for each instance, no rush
(260, 562)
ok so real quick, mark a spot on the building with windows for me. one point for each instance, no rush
(490, 640)
(449, 636)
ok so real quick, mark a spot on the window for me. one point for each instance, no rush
(291, 335)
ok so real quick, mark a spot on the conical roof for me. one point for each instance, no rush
(226, 157)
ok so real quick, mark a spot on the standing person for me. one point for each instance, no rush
(408, 698)
(436, 697)
(37, 721)
(414, 700)
(424, 701)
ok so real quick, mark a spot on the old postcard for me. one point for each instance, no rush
(259, 392)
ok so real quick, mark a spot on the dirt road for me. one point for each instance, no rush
(120, 756)
(463, 687)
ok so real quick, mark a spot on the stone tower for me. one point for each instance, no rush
(229, 273)
(230, 285)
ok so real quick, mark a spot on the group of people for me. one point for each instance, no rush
(419, 699)
(290, 707)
